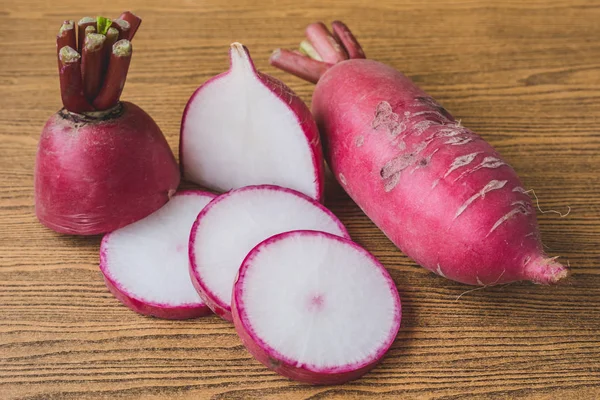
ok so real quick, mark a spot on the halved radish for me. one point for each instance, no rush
(145, 264)
(315, 307)
(231, 225)
(243, 127)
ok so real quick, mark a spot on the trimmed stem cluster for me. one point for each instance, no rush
(93, 60)
(319, 51)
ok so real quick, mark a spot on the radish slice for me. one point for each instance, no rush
(230, 226)
(243, 128)
(315, 307)
(145, 264)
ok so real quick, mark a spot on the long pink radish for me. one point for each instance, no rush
(145, 264)
(315, 307)
(442, 194)
(243, 127)
(231, 225)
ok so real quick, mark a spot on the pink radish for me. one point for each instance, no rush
(243, 127)
(443, 195)
(101, 164)
(146, 266)
(231, 225)
(315, 307)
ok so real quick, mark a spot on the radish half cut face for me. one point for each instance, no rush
(145, 264)
(315, 307)
(230, 226)
(246, 128)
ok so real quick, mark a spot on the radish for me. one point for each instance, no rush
(101, 164)
(243, 127)
(145, 264)
(443, 195)
(315, 307)
(231, 225)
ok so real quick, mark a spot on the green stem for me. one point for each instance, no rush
(307, 49)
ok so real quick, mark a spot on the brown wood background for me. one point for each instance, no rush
(524, 74)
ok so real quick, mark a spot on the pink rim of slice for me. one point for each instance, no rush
(218, 305)
(137, 303)
(283, 364)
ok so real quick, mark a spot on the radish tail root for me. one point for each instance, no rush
(545, 271)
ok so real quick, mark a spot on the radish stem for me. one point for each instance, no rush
(66, 36)
(116, 75)
(91, 64)
(112, 35)
(81, 25)
(298, 65)
(330, 50)
(134, 23)
(89, 29)
(308, 50)
(122, 26)
(71, 88)
(343, 34)
(93, 45)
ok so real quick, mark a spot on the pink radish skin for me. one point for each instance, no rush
(193, 201)
(265, 136)
(442, 194)
(213, 282)
(283, 364)
(93, 177)
(158, 310)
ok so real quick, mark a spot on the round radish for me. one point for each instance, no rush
(246, 128)
(145, 264)
(101, 163)
(315, 307)
(230, 226)
(95, 175)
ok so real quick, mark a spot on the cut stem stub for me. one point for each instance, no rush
(319, 51)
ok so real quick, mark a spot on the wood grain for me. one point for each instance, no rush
(524, 74)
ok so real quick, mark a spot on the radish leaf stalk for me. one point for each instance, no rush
(66, 36)
(328, 48)
(91, 64)
(345, 36)
(299, 65)
(122, 26)
(307, 49)
(81, 25)
(116, 75)
(71, 88)
(93, 39)
(134, 23)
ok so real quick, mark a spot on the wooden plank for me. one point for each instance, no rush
(525, 75)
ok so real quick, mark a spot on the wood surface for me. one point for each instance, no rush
(524, 74)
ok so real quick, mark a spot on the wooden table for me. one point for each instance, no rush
(524, 74)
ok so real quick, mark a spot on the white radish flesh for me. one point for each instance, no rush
(229, 227)
(246, 128)
(315, 307)
(145, 264)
